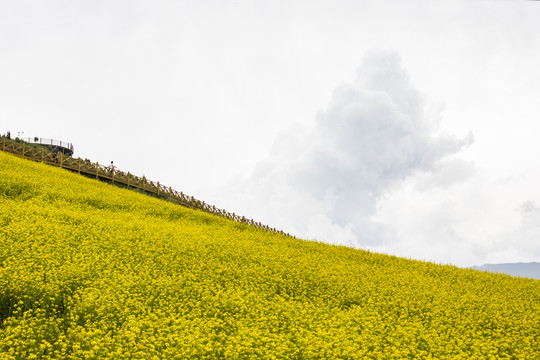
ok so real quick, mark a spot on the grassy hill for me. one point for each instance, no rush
(91, 271)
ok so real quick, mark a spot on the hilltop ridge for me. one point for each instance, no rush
(117, 177)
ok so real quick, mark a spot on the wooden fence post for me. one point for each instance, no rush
(42, 154)
(23, 149)
(97, 167)
(79, 166)
(61, 159)
(158, 188)
(129, 176)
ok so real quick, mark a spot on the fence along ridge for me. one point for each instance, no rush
(117, 177)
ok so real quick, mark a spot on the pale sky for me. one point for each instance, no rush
(403, 127)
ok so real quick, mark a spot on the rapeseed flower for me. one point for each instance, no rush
(91, 271)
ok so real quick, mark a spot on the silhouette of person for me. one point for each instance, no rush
(55, 153)
(111, 168)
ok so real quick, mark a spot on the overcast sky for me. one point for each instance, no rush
(403, 127)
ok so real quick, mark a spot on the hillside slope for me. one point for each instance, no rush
(91, 271)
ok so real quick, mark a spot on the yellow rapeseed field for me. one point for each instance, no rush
(91, 271)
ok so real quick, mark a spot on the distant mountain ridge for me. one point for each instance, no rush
(528, 270)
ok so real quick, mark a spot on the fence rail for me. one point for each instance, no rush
(118, 177)
(51, 142)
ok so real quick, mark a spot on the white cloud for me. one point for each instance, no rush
(474, 219)
(447, 173)
(523, 239)
(325, 182)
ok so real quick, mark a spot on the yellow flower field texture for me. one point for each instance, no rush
(92, 271)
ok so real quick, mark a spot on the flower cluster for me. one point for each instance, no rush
(91, 271)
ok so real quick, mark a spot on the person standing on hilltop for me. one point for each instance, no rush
(111, 167)
(55, 153)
